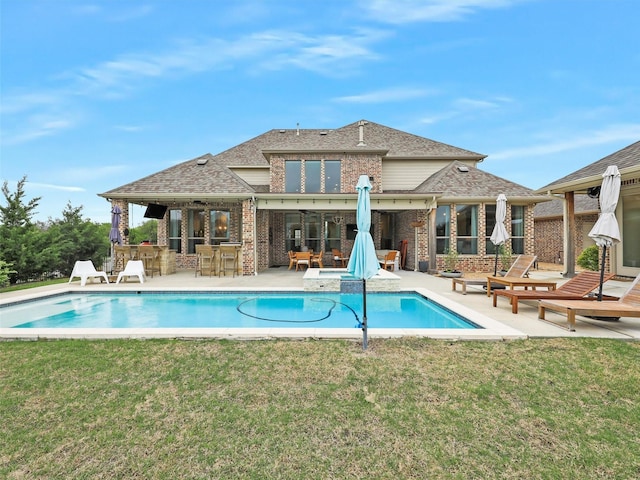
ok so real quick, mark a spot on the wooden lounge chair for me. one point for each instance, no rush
(575, 289)
(85, 270)
(627, 306)
(519, 269)
(133, 268)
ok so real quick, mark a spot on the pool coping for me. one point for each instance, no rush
(491, 329)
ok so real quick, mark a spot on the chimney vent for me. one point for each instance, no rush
(361, 125)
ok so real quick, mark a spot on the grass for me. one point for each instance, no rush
(28, 285)
(406, 408)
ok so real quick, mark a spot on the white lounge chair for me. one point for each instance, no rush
(85, 269)
(133, 268)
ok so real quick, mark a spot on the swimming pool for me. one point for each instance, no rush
(166, 310)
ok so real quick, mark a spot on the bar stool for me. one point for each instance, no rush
(228, 253)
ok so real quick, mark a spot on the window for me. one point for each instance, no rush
(218, 226)
(467, 229)
(517, 229)
(312, 176)
(175, 228)
(489, 224)
(312, 234)
(332, 176)
(293, 231)
(331, 234)
(293, 176)
(443, 218)
(631, 229)
(195, 229)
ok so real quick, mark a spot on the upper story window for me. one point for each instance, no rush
(293, 176)
(312, 176)
(332, 176)
(320, 176)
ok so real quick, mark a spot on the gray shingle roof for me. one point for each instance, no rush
(583, 204)
(190, 178)
(627, 157)
(452, 182)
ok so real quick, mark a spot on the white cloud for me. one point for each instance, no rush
(412, 11)
(118, 77)
(610, 134)
(386, 95)
(49, 186)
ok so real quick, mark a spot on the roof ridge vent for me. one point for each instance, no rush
(202, 161)
(323, 132)
(463, 168)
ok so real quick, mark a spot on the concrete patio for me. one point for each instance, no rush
(526, 321)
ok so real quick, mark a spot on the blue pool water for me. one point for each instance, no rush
(230, 310)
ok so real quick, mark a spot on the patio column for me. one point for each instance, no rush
(569, 235)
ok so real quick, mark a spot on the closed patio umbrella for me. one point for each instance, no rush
(363, 263)
(114, 233)
(499, 236)
(606, 231)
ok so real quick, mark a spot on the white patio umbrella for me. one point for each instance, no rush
(499, 236)
(363, 263)
(606, 232)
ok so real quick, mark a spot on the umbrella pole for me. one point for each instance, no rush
(364, 315)
(604, 254)
(495, 268)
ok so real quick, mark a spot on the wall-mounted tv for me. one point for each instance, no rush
(155, 211)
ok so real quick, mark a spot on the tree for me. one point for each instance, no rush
(148, 231)
(23, 244)
(77, 239)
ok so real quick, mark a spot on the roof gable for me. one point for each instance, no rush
(188, 177)
(627, 157)
(461, 180)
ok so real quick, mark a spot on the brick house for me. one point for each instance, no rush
(548, 218)
(624, 259)
(287, 189)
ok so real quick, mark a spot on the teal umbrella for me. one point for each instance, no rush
(363, 262)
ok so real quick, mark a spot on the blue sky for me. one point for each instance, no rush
(96, 93)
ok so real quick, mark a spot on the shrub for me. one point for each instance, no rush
(589, 258)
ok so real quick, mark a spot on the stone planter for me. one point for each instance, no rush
(450, 274)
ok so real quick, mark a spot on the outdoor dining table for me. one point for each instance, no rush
(512, 282)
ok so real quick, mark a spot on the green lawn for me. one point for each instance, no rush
(408, 408)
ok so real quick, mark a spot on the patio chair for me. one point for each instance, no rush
(292, 259)
(133, 268)
(303, 258)
(389, 262)
(339, 258)
(628, 305)
(317, 259)
(85, 269)
(575, 289)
